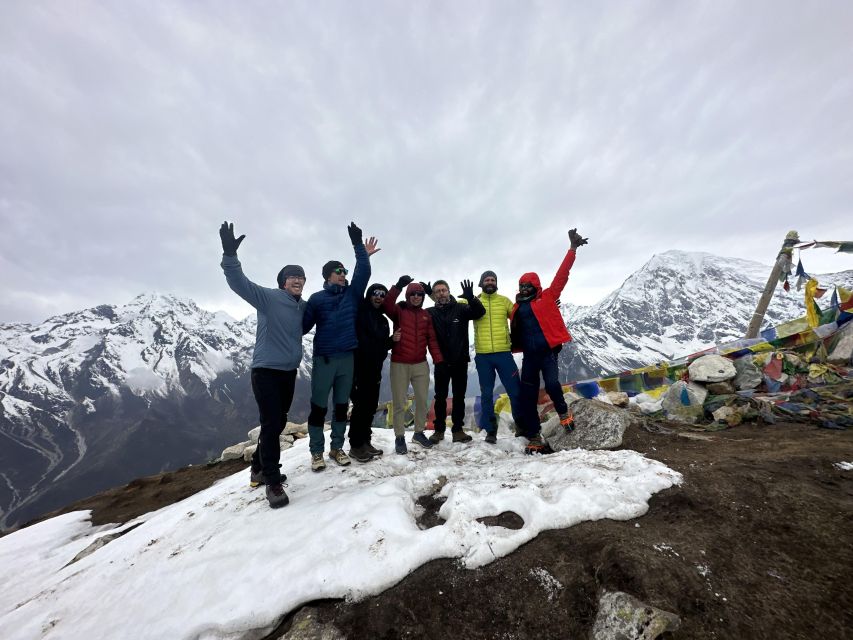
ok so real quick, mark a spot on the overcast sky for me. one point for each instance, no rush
(464, 135)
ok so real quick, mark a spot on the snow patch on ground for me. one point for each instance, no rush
(191, 569)
(844, 466)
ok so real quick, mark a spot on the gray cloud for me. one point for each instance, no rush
(465, 136)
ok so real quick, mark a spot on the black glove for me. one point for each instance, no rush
(229, 244)
(427, 287)
(576, 240)
(354, 234)
(467, 289)
(403, 282)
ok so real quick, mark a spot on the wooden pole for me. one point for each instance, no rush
(782, 260)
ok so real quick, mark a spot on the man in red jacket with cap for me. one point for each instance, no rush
(537, 329)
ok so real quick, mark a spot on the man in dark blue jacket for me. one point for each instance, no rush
(277, 355)
(333, 310)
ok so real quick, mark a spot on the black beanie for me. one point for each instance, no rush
(376, 285)
(287, 271)
(330, 266)
(487, 274)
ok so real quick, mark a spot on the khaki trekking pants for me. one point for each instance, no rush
(401, 375)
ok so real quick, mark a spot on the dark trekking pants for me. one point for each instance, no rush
(542, 362)
(273, 391)
(445, 374)
(365, 399)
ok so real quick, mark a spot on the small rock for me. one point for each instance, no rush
(748, 375)
(711, 368)
(842, 346)
(234, 451)
(254, 434)
(597, 426)
(305, 626)
(721, 388)
(618, 398)
(682, 402)
(624, 617)
(249, 451)
(292, 429)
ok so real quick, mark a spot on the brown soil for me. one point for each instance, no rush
(756, 543)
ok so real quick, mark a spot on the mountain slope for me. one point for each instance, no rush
(94, 398)
(678, 303)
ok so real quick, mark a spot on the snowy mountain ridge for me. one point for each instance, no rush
(678, 303)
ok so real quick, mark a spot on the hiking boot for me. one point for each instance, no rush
(256, 478)
(422, 440)
(535, 445)
(373, 450)
(491, 438)
(436, 437)
(567, 421)
(317, 463)
(360, 454)
(276, 495)
(400, 445)
(339, 456)
(461, 436)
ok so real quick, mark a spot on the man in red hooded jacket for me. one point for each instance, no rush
(537, 329)
(408, 357)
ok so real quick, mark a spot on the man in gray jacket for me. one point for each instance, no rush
(278, 353)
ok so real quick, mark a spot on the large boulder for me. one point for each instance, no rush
(683, 401)
(711, 368)
(748, 375)
(597, 426)
(623, 617)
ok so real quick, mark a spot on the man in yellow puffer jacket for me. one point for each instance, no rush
(494, 355)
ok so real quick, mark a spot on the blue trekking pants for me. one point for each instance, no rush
(535, 362)
(502, 364)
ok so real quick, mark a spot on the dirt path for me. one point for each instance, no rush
(756, 543)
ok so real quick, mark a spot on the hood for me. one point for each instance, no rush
(533, 278)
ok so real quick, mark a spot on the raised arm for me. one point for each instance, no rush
(252, 293)
(361, 273)
(474, 310)
(562, 275)
(389, 305)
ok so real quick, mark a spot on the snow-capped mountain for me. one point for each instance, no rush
(678, 303)
(94, 398)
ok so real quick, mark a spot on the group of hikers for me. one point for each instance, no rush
(352, 339)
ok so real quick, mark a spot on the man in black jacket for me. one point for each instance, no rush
(450, 319)
(374, 341)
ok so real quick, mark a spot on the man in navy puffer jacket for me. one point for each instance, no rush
(333, 310)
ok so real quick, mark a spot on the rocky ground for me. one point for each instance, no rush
(756, 543)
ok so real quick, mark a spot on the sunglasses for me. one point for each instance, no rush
(340, 271)
(378, 293)
(296, 278)
(417, 294)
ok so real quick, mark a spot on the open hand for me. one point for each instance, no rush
(229, 244)
(467, 289)
(372, 245)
